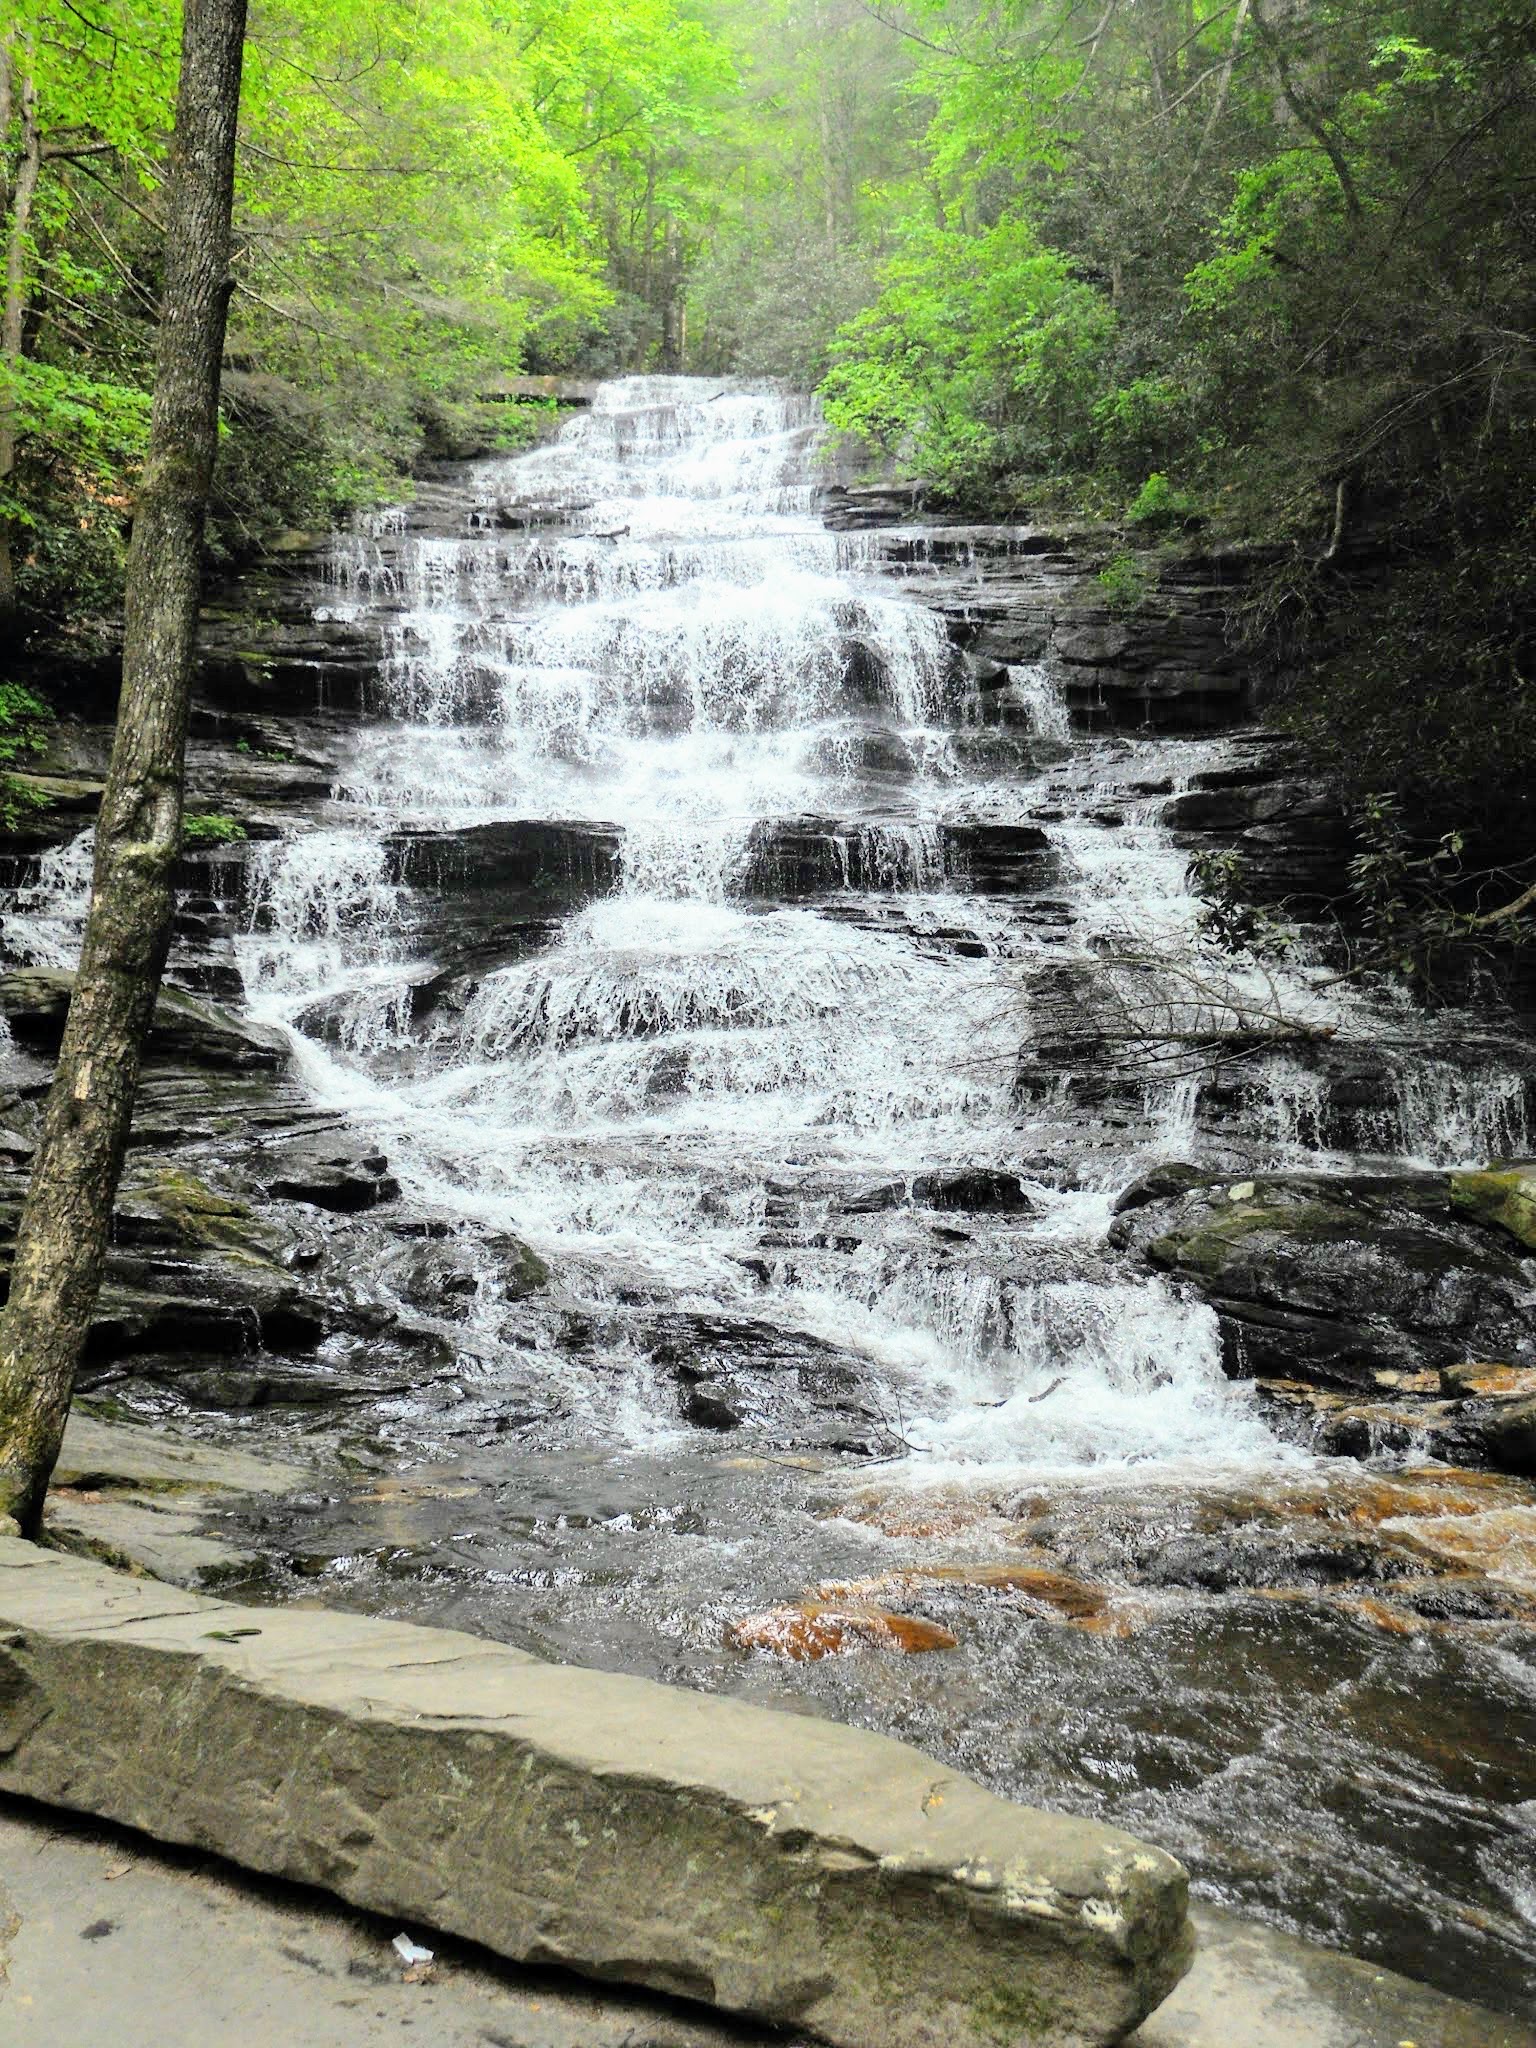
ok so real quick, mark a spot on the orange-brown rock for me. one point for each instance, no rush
(1069, 1597)
(1390, 1620)
(1490, 1382)
(814, 1628)
(1500, 1542)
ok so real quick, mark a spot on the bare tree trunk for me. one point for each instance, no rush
(62, 1237)
(18, 100)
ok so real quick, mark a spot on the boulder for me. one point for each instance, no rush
(802, 1873)
(1502, 1195)
(732, 1370)
(1335, 1279)
(975, 1188)
(519, 1269)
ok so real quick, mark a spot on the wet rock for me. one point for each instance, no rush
(164, 1206)
(263, 1381)
(34, 1001)
(997, 860)
(1339, 1425)
(438, 1281)
(797, 1388)
(1072, 1599)
(977, 1188)
(1158, 1184)
(1503, 1196)
(1346, 1095)
(846, 508)
(328, 1174)
(519, 1269)
(481, 896)
(1252, 1559)
(789, 858)
(1291, 832)
(129, 1321)
(867, 1199)
(813, 1629)
(1498, 1541)
(1491, 1382)
(713, 1404)
(1334, 1279)
(1509, 1431)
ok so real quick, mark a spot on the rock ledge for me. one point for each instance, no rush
(788, 1868)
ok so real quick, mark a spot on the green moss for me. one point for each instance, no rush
(201, 1217)
(1207, 1244)
(1014, 2013)
(525, 1272)
(1502, 1197)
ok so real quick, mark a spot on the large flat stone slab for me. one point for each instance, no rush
(104, 1933)
(790, 1869)
(98, 1453)
(1254, 1988)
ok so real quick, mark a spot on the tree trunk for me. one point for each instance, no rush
(18, 100)
(62, 1237)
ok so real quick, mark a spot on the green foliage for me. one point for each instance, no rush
(23, 721)
(984, 356)
(24, 718)
(1124, 581)
(427, 198)
(1230, 920)
(1158, 506)
(210, 828)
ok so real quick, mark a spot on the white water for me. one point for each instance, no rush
(621, 1097)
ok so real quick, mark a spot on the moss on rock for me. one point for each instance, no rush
(1502, 1196)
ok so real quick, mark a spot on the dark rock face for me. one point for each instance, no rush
(34, 1001)
(1350, 1092)
(979, 1189)
(998, 860)
(1165, 661)
(793, 1388)
(328, 1174)
(1289, 831)
(1330, 1288)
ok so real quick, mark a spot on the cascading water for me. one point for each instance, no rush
(693, 662)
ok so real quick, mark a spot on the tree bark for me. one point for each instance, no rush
(18, 100)
(62, 1237)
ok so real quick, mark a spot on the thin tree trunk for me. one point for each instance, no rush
(1302, 112)
(18, 100)
(62, 1237)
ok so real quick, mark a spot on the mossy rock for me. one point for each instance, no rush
(197, 1214)
(1207, 1244)
(1504, 1197)
(522, 1272)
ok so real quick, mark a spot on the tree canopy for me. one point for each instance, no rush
(1246, 268)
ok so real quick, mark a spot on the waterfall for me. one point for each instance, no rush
(642, 628)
